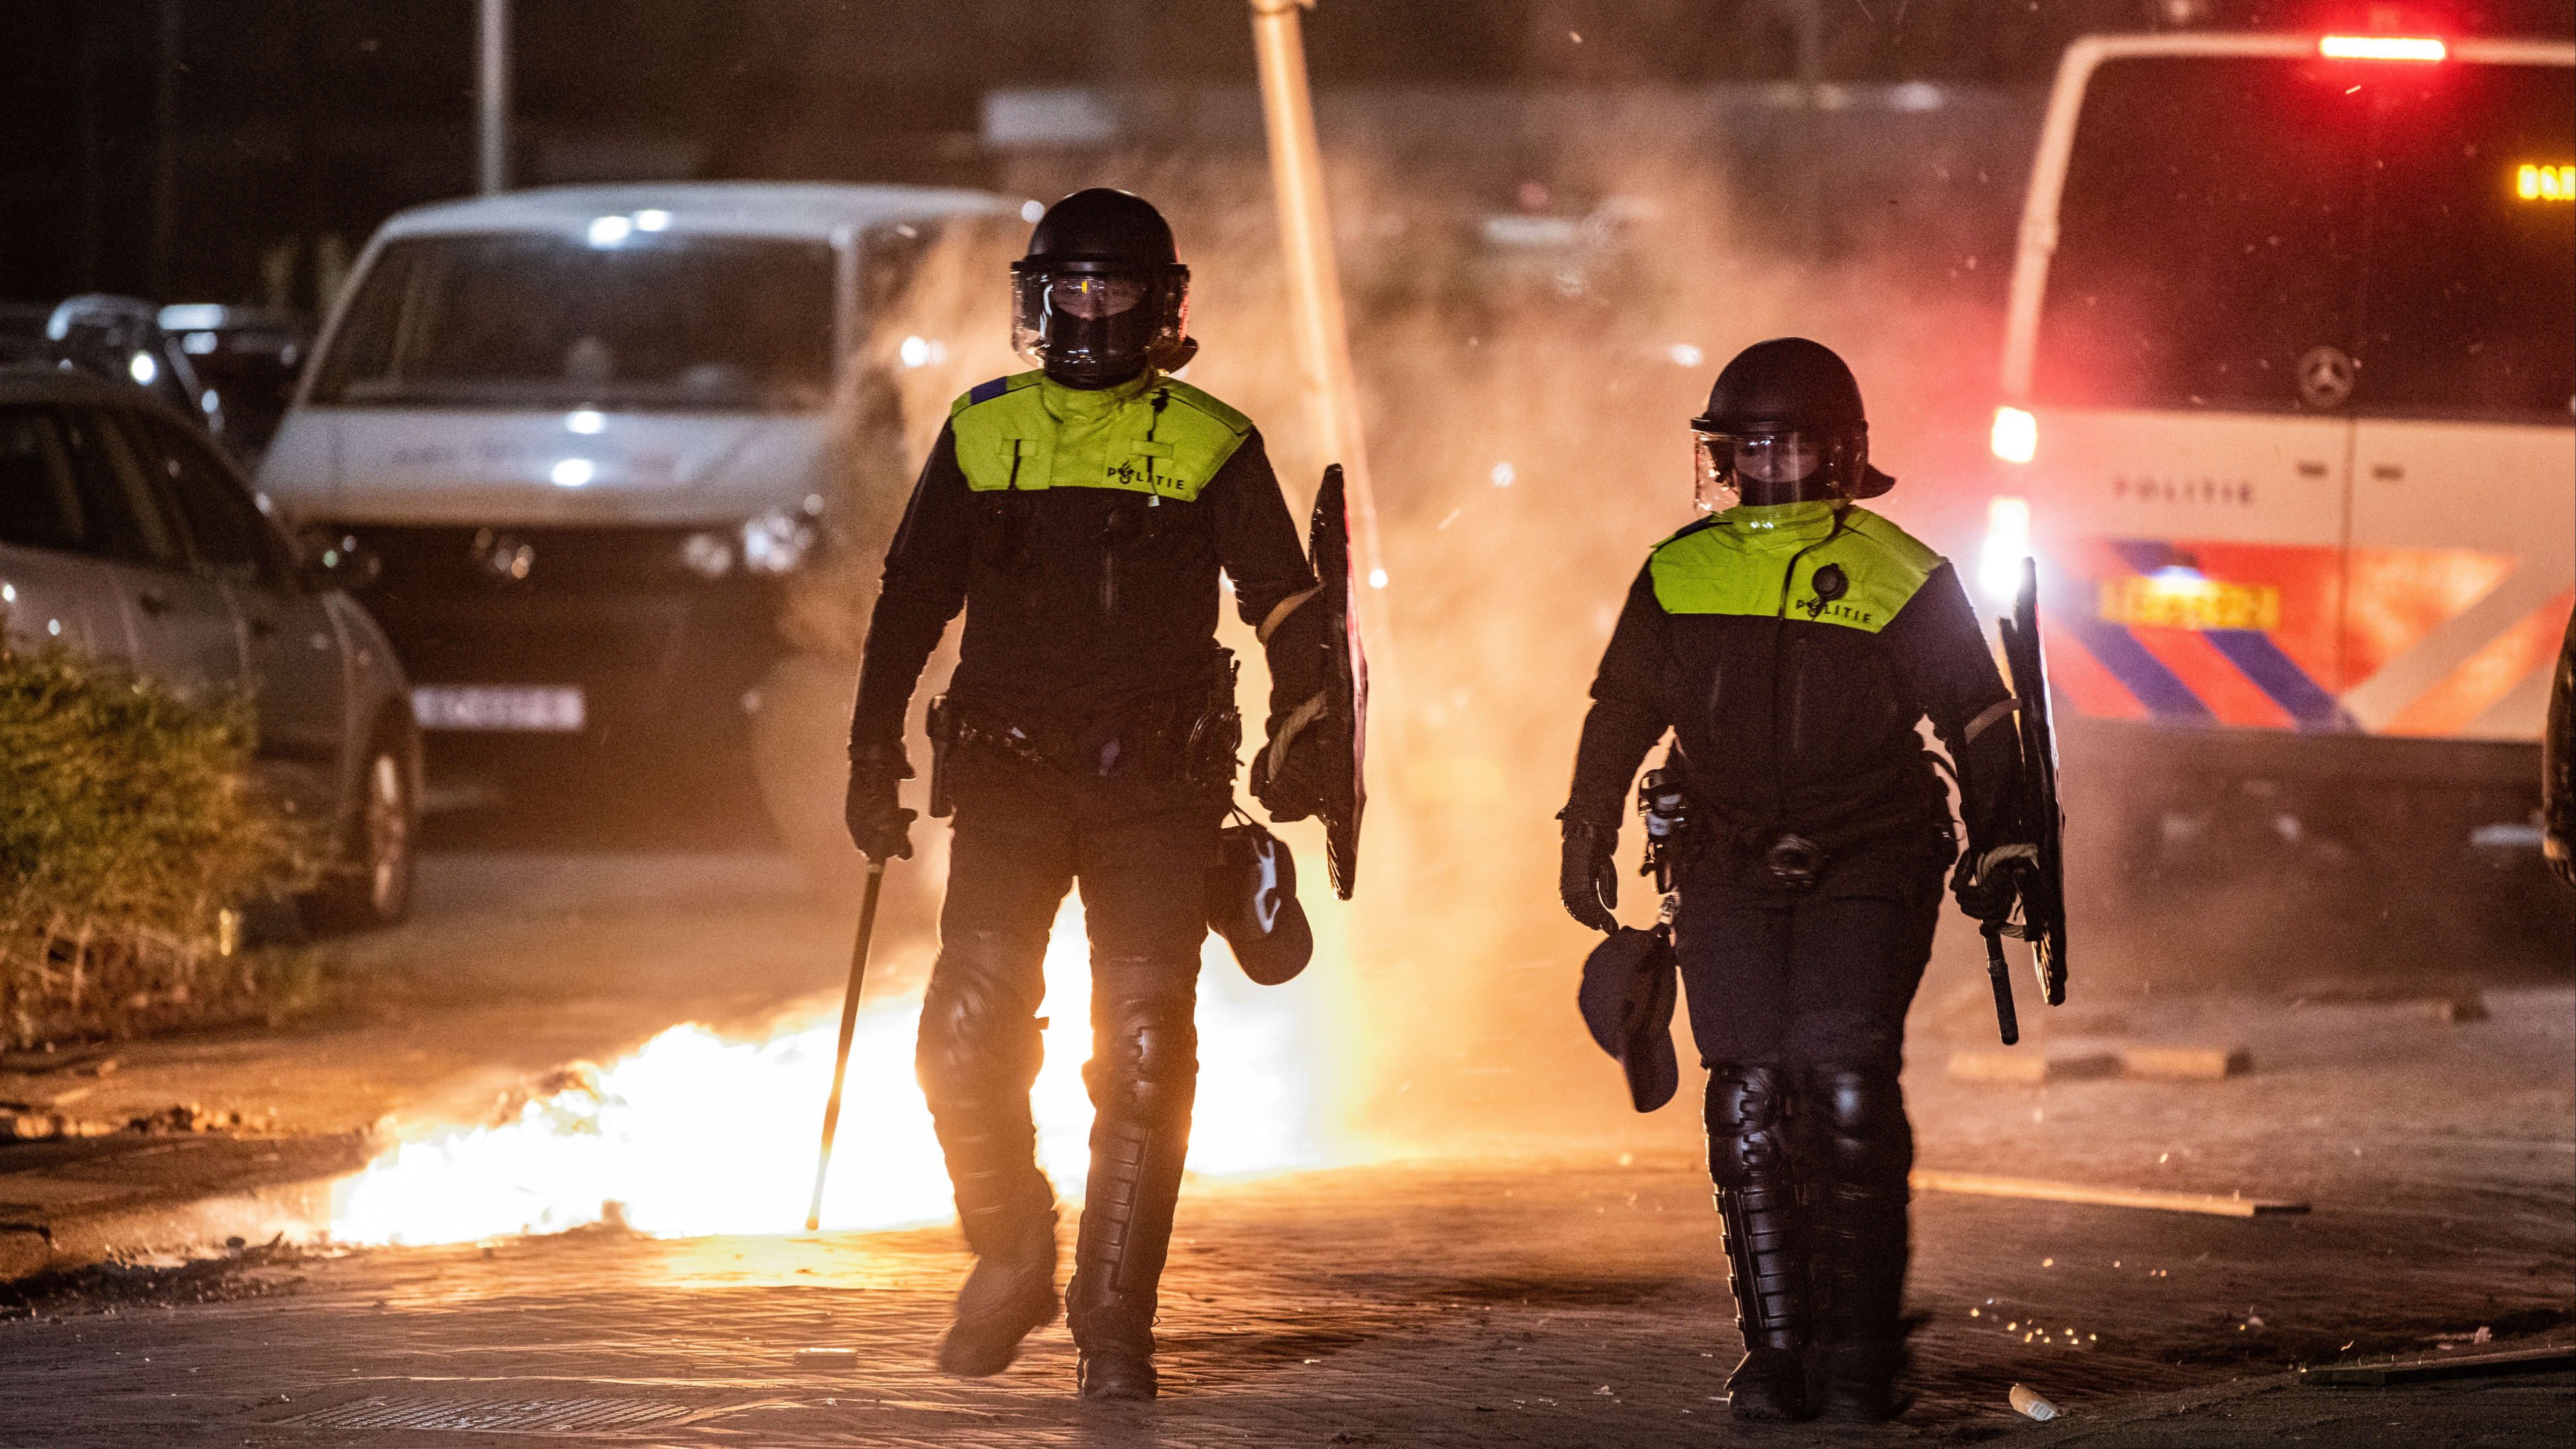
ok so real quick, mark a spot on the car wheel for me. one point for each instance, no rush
(379, 853)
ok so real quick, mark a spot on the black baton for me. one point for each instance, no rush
(1996, 971)
(849, 1024)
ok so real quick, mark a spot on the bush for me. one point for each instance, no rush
(129, 830)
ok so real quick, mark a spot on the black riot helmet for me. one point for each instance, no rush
(1784, 425)
(1102, 295)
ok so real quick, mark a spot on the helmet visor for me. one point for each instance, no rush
(1095, 324)
(1093, 298)
(1767, 467)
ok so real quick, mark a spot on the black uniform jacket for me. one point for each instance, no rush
(1079, 601)
(1788, 720)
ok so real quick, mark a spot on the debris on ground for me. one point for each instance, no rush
(2032, 1405)
(35, 1122)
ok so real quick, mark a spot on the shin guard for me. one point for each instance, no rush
(1142, 1079)
(1757, 1203)
(1862, 1149)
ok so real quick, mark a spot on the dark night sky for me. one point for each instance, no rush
(294, 120)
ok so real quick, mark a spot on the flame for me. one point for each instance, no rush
(695, 1135)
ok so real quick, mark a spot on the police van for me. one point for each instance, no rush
(581, 437)
(2286, 419)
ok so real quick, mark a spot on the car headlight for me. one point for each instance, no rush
(776, 542)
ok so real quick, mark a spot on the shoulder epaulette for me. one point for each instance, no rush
(984, 392)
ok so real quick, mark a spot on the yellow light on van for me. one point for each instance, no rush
(2381, 47)
(2016, 435)
(2545, 183)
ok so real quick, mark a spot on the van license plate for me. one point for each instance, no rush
(555, 709)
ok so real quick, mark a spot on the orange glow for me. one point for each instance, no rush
(2381, 47)
(2545, 183)
(694, 1135)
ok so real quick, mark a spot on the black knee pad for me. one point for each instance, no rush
(1856, 1116)
(1748, 1123)
(974, 1043)
(1146, 1060)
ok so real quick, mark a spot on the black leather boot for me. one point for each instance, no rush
(1008, 1213)
(1862, 1148)
(1141, 1079)
(979, 1054)
(1757, 1207)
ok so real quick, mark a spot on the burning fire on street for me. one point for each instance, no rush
(695, 1135)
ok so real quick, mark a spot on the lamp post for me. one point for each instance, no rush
(492, 97)
(1314, 286)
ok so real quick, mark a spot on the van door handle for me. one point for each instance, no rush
(2389, 472)
(153, 604)
(2312, 470)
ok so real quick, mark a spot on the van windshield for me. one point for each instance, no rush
(525, 319)
(2226, 218)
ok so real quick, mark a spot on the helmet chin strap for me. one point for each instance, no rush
(1755, 493)
(1089, 383)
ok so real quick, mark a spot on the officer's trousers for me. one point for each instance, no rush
(1787, 976)
(1797, 999)
(1140, 849)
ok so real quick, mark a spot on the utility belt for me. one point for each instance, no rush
(1681, 828)
(1191, 733)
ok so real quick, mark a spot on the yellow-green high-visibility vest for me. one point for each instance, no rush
(1154, 435)
(1795, 561)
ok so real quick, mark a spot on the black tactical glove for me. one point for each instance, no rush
(1294, 788)
(1988, 885)
(879, 825)
(1587, 881)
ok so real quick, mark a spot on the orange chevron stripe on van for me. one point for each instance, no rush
(2489, 674)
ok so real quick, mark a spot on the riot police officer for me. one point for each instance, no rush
(1791, 641)
(1079, 514)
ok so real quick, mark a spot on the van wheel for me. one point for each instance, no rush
(372, 882)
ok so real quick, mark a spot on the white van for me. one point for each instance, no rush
(2286, 417)
(584, 433)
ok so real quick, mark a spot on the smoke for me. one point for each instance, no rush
(1527, 364)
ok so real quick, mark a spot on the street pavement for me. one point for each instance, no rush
(1544, 1301)
(1521, 1261)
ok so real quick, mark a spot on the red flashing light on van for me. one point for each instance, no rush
(2381, 47)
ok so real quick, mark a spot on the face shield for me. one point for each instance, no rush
(1097, 325)
(1759, 468)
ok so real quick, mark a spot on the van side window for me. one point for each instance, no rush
(230, 538)
(38, 505)
(124, 519)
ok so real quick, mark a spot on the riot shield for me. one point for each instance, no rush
(1328, 546)
(2042, 888)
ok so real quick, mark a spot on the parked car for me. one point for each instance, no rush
(121, 338)
(252, 357)
(125, 534)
